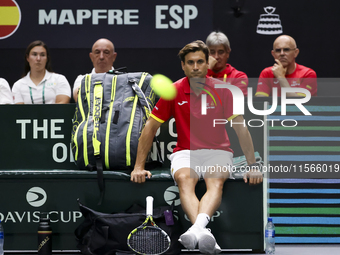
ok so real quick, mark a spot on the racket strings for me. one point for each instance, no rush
(150, 241)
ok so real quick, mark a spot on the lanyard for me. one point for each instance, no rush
(43, 94)
(224, 78)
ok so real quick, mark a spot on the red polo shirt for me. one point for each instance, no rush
(302, 77)
(194, 130)
(233, 76)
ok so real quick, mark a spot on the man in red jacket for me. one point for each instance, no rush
(219, 48)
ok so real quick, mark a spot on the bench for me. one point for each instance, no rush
(37, 175)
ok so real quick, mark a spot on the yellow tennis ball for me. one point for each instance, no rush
(163, 87)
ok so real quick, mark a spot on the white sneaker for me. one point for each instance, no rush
(217, 249)
(189, 239)
(206, 242)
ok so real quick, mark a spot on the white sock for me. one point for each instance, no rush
(202, 220)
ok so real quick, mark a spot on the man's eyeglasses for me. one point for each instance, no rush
(285, 50)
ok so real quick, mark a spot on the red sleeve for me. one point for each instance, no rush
(163, 110)
(309, 81)
(263, 85)
(241, 81)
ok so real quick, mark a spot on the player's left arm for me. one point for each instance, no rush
(246, 143)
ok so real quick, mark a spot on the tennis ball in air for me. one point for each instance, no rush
(163, 87)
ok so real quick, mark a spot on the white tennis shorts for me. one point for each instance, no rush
(201, 160)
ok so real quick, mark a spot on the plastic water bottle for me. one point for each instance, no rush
(2, 237)
(270, 237)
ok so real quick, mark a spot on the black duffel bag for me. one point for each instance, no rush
(105, 234)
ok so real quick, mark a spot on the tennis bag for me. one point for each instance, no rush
(111, 111)
(104, 233)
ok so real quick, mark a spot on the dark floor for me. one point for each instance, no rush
(281, 249)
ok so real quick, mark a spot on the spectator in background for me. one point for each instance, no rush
(102, 56)
(39, 84)
(219, 48)
(5, 92)
(286, 72)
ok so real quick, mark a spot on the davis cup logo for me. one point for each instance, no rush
(10, 17)
(171, 196)
(36, 196)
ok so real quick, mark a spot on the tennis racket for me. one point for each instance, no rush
(148, 238)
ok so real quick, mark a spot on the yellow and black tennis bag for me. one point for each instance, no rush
(111, 111)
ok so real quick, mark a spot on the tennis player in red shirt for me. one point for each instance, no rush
(201, 146)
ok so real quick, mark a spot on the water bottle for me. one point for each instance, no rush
(44, 235)
(1, 239)
(270, 237)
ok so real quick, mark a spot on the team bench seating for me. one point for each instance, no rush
(37, 175)
(237, 224)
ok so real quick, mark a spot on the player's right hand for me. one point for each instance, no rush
(278, 70)
(139, 176)
(254, 176)
(212, 62)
